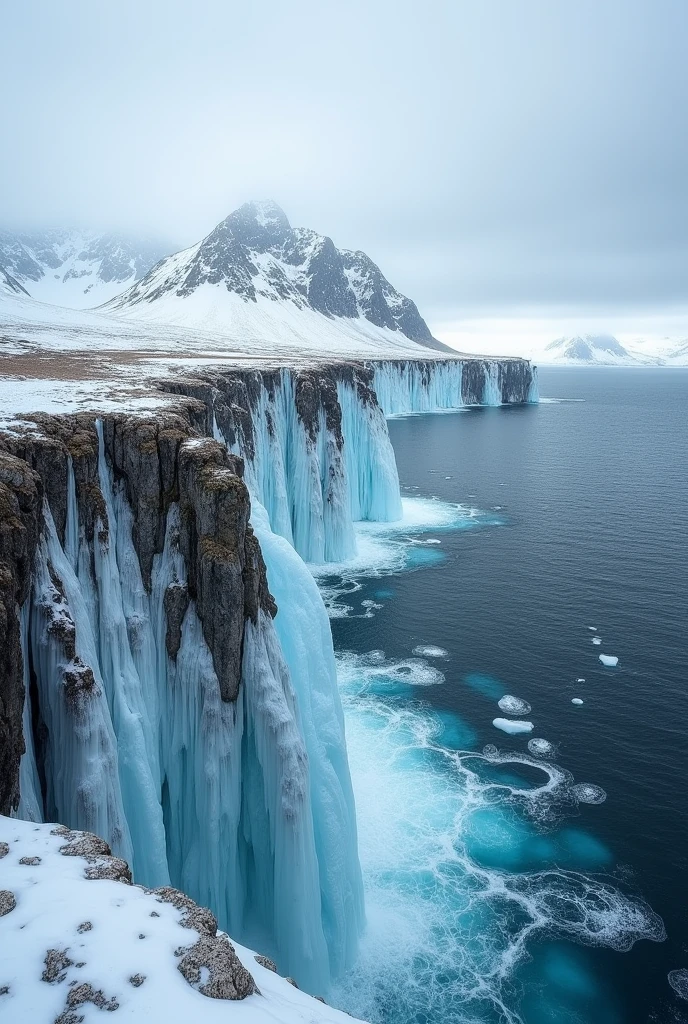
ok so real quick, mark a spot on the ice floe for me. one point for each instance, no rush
(576, 700)
(512, 727)
(597, 640)
(609, 659)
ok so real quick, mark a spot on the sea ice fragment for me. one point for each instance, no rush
(512, 727)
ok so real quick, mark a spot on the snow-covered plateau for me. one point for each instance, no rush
(167, 674)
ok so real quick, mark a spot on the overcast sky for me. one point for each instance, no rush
(493, 156)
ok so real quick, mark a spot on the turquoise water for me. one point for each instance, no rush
(498, 887)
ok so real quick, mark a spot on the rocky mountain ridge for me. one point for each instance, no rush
(256, 255)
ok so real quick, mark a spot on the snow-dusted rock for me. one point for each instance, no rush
(75, 944)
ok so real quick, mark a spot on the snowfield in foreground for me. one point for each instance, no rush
(77, 938)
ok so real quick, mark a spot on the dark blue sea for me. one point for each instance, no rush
(506, 885)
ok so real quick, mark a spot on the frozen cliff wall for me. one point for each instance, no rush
(147, 696)
(315, 443)
(406, 386)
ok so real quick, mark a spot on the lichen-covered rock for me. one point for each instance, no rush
(226, 575)
(85, 993)
(266, 962)
(7, 902)
(55, 967)
(175, 602)
(193, 916)
(112, 868)
(214, 959)
(96, 852)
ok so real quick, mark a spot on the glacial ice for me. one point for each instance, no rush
(597, 640)
(576, 700)
(609, 659)
(247, 806)
(511, 726)
(514, 705)
(313, 491)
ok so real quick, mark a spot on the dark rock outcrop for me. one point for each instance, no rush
(20, 519)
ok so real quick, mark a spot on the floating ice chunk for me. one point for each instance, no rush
(576, 700)
(679, 982)
(508, 725)
(581, 680)
(490, 750)
(447, 478)
(593, 628)
(586, 793)
(597, 640)
(609, 660)
(541, 748)
(514, 705)
(428, 651)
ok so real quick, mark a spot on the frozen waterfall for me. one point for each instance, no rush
(245, 805)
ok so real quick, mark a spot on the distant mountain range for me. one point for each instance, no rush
(72, 268)
(606, 350)
(255, 271)
(254, 278)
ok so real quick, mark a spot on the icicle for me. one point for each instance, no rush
(371, 469)
(534, 391)
(492, 394)
(80, 759)
(71, 546)
(30, 799)
(138, 759)
(304, 632)
(200, 742)
(281, 874)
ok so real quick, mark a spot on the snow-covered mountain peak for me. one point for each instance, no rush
(74, 268)
(254, 258)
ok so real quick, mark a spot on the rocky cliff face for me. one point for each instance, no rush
(159, 460)
(20, 519)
